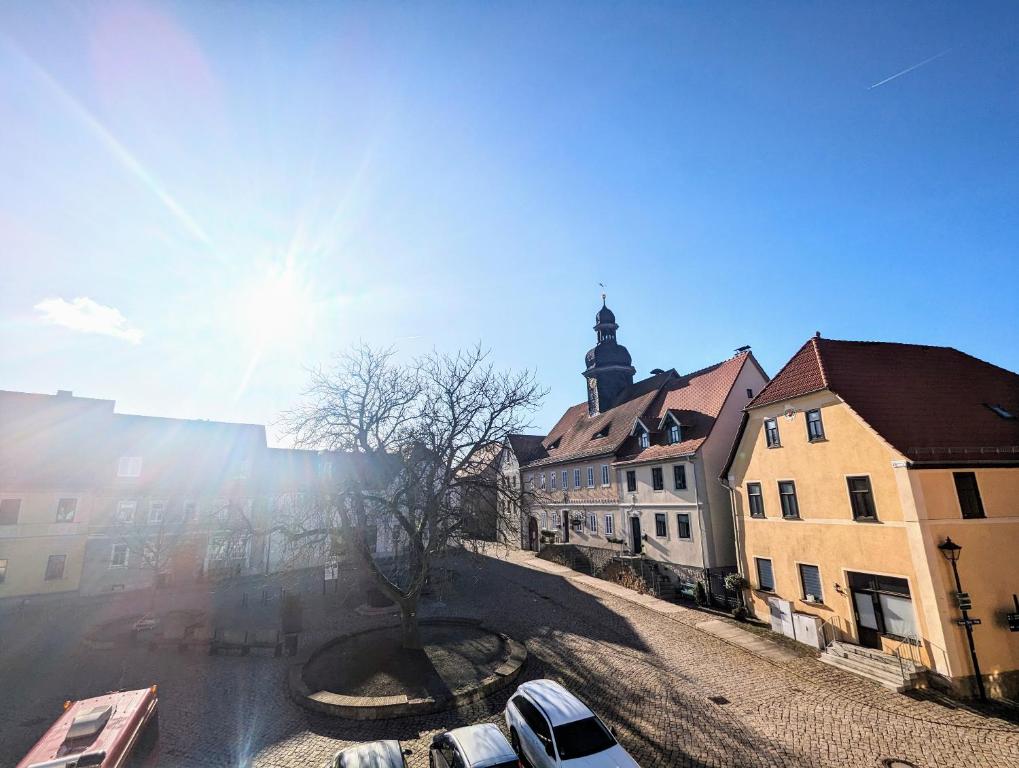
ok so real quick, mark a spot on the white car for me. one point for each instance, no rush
(550, 727)
(474, 746)
(374, 754)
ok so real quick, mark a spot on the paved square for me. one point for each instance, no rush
(652, 675)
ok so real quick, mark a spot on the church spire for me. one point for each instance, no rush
(609, 370)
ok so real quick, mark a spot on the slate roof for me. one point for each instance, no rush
(696, 400)
(527, 448)
(930, 403)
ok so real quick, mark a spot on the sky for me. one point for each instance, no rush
(199, 201)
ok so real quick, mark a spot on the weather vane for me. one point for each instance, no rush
(602, 292)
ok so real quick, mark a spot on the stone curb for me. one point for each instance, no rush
(386, 707)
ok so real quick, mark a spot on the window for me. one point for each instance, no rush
(861, 498)
(592, 522)
(631, 480)
(673, 434)
(643, 439)
(581, 738)
(3, 571)
(544, 520)
(118, 558)
(529, 482)
(771, 433)
(576, 477)
(683, 525)
(661, 526)
(755, 499)
(590, 477)
(576, 520)
(610, 525)
(657, 481)
(604, 474)
(55, 567)
(129, 466)
(765, 575)
(9, 511)
(552, 480)
(750, 393)
(66, 509)
(566, 480)
(810, 579)
(787, 493)
(536, 722)
(815, 427)
(125, 511)
(541, 481)
(679, 476)
(969, 494)
(555, 520)
(157, 509)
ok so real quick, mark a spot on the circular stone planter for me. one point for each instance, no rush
(340, 664)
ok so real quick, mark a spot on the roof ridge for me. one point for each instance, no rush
(820, 361)
(777, 376)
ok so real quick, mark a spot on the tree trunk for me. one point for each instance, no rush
(409, 623)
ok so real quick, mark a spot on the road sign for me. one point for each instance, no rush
(332, 572)
(964, 601)
(1013, 622)
(968, 622)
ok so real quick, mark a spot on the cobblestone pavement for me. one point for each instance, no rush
(657, 679)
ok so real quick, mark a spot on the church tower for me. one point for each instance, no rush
(609, 370)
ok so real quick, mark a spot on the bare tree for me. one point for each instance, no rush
(415, 442)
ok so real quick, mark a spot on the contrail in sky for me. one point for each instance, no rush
(910, 69)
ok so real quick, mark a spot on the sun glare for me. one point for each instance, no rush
(275, 308)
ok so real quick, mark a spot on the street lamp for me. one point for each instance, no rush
(951, 551)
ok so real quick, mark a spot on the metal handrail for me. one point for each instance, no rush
(824, 634)
(912, 641)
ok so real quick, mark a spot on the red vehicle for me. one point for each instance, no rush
(104, 732)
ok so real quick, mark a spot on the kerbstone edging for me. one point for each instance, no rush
(386, 707)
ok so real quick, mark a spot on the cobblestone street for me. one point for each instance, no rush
(675, 695)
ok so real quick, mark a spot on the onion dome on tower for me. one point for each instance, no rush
(609, 369)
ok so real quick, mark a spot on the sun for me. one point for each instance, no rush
(275, 308)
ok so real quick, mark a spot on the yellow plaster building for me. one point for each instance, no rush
(850, 469)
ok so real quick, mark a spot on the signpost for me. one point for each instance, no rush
(1013, 618)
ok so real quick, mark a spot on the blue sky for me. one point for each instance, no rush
(198, 199)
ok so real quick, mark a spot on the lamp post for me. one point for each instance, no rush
(951, 551)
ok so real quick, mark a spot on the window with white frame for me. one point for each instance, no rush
(576, 477)
(125, 511)
(590, 477)
(673, 434)
(566, 480)
(592, 522)
(157, 510)
(544, 520)
(555, 519)
(610, 527)
(552, 480)
(66, 509)
(541, 481)
(604, 474)
(118, 557)
(643, 438)
(129, 466)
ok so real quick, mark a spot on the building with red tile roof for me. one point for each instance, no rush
(851, 472)
(632, 468)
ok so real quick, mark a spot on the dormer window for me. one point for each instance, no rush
(603, 432)
(644, 439)
(554, 444)
(673, 434)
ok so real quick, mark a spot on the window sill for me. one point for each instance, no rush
(791, 517)
(756, 517)
(870, 520)
(775, 446)
(817, 439)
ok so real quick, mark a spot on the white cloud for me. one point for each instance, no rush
(87, 316)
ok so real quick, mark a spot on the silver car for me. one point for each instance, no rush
(474, 746)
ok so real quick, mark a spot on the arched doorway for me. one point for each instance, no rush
(532, 534)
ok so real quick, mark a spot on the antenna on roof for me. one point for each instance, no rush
(744, 348)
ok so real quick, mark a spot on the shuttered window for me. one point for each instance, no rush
(810, 578)
(765, 576)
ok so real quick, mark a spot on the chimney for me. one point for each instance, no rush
(65, 393)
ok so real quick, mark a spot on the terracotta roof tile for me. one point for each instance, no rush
(930, 403)
(695, 399)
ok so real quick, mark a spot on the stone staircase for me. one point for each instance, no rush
(874, 665)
